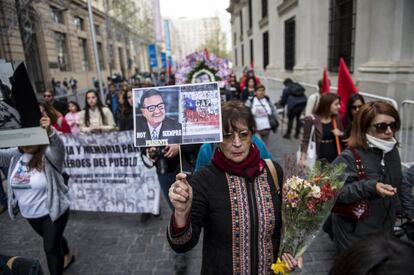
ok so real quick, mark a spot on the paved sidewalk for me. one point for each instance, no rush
(106, 243)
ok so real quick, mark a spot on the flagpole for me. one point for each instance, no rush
(95, 50)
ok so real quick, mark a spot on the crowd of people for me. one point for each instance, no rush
(235, 190)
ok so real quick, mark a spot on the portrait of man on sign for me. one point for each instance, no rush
(154, 127)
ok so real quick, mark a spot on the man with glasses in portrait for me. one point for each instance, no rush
(154, 124)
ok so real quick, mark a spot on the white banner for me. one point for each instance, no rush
(108, 175)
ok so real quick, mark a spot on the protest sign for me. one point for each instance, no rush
(181, 114)
(107, 174)
(19, 109)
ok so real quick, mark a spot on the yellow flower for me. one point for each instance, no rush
(280, 267)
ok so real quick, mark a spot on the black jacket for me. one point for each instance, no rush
(167, 125)
(224, 209)
(381, 210)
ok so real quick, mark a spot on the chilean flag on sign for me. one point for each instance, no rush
(346, 86)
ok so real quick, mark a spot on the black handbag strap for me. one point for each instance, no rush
(264, 107)
(359, 165)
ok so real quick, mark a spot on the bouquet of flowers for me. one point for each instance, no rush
(307, 202)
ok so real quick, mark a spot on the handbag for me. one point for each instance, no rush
(311, 150)
(357, 210)
(274, 124)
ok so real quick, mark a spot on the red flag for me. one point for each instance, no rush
(326, 83)
(346, 86)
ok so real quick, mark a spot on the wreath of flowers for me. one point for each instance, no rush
(201, 62)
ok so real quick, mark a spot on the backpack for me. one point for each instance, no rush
(296, 89)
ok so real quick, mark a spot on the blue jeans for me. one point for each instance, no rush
(3, 195)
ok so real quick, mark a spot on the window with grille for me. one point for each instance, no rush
(250, 14)
(341, 33)
(100, 55)
(62, 51)
(241, 23)
(57, 15)
(97, 30)
(242, 55)
(251, 51)
(265, 49)
(235, 57)
(264, 8)
(83, 47)
(290, 44)
(78, 22)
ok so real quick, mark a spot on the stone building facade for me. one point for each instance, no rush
(60, 43)
(298, 38)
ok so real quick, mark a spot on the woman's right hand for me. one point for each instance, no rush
(385, 189)
(181, 197)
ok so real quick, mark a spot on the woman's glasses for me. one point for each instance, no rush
(243, 135)
(382, 127)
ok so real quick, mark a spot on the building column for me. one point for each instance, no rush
(388, 65)
(312, 30)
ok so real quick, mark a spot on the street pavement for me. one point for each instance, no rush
(108, 243)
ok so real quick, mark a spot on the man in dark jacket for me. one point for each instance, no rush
(294, 97)
(58, 105)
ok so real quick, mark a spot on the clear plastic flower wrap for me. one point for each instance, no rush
(308, 197)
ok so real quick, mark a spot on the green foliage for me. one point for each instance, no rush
(216, 43)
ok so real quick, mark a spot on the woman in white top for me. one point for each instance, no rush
(95, 118)
(261, 108)
(36, 188)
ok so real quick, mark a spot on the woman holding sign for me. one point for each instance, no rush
(236, 199)
(36, 188)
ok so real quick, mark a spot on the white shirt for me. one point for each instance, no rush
(312, 104)
(29, 187)
(95, 120)
(261, 110)
(157, 129)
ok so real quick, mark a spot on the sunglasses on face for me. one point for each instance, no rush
(356, 107)
(151, 108)
(381, 128)
(243, 135)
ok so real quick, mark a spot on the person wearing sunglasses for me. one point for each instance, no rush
(49, 97)
(377, 182)
(236, 201)
(354, 103)
(154, 125)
